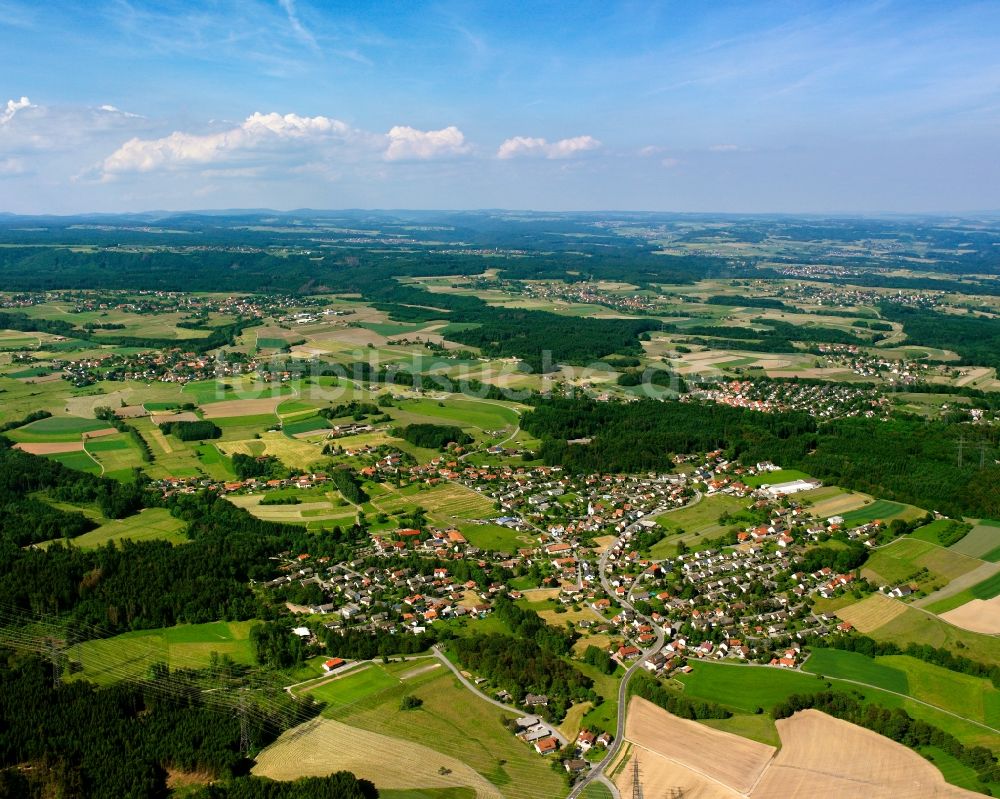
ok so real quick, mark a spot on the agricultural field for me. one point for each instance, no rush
(291, 452)
(824, 756)
(982, 541)
(150, 524)
(130, 655)
(661, 740)
(977, 615)
(882, 510)
(971, 697)
(451, 721)
(909, 560)
(887, 619)
(57, 428)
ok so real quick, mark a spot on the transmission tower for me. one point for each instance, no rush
(244, 724)
(54, 657)
(636, 785)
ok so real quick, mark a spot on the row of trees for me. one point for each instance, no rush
(432, 436)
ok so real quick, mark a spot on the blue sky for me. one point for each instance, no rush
(686, 106)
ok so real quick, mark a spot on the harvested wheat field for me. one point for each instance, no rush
(184, 416)
(718, 760)
(825, 757)
(664, 779)
(104, 431)
(323, 746)
(245, 407)
(872, 612)
(50, 447)
(978, 615)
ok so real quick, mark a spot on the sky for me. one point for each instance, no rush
(813, 107)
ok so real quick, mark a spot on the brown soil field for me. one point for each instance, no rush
(49, 378)
(247, 407)
(131, 412)
(824, 756)
(835, 506)
(718, 758)
(872, 612)
(664, 779)
(820, 756)
(186, 416)
(104, 431)
(323, 746)
(50, 448)
(978, 615)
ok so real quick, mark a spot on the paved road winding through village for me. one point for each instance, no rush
(597, 773)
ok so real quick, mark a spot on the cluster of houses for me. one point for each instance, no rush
(171, 365)
(388, 598)
(826, 400)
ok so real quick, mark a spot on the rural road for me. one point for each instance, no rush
(597, 773)
(508, 708)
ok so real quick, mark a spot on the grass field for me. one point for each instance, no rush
(56, 428)
(751, 687)
(854, 666)
(986, 589)
(932, 532)
(773, 478)
(429, 793)
(913, 560)
(147, 525)
(130, 655)
(880, 509)
(80, 461)
(464, 413)
(755, 726)
(452, 721)
(494, 537)
(982, 541)
(697, 522)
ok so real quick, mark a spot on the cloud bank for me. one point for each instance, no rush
(527, 146)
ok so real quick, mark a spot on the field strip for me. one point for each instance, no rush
(50, 448)
(959, 584)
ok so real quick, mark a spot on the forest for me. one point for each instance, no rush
(432, 436)
(79, 741)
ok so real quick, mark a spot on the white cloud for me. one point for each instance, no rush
(519, 146)
(724, 148)
(293, 19)
(670, 163)
(257, 132)
(11, 166)
(406, 143)
(110, 109)
(12, 107)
